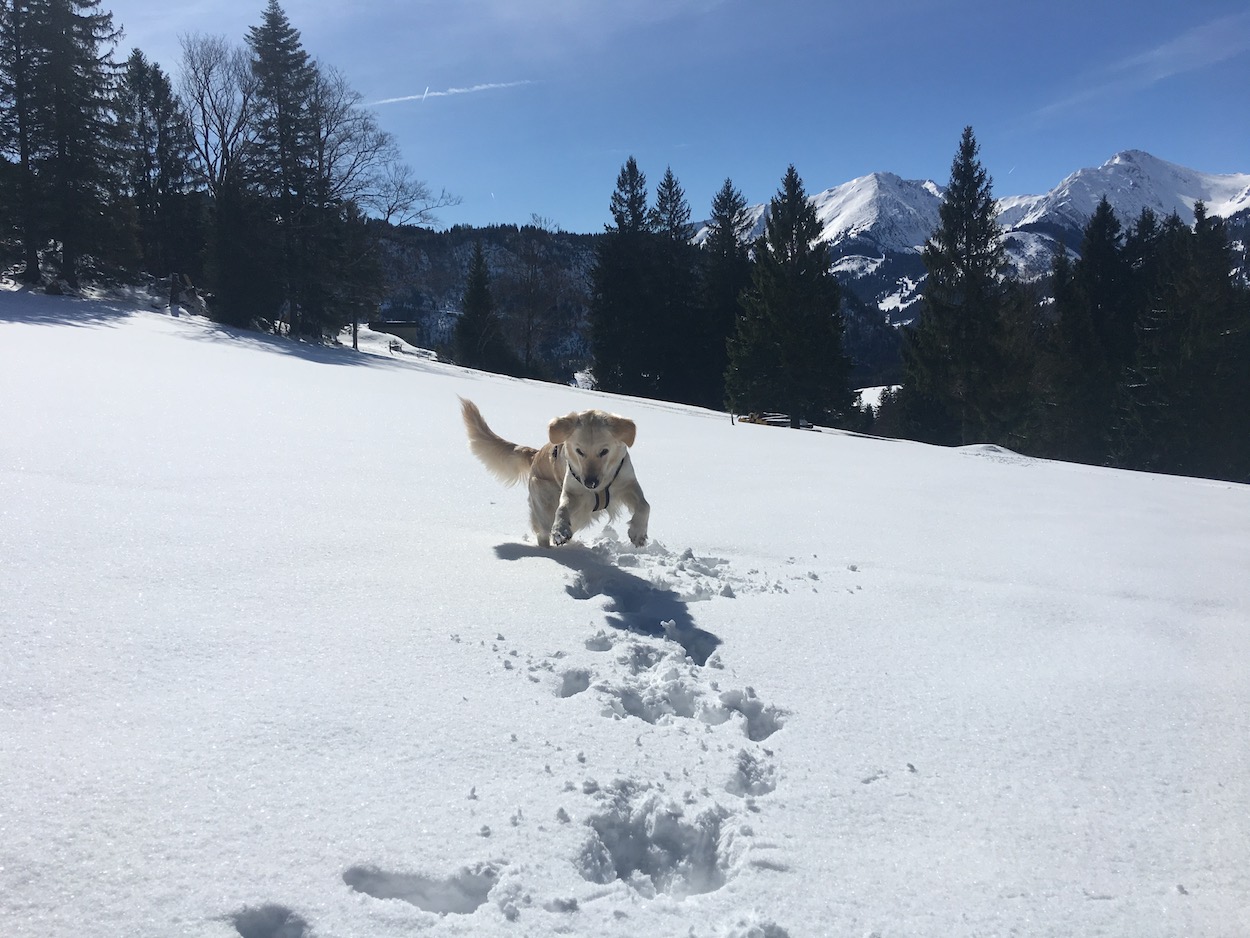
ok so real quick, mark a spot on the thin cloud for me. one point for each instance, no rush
(1195, 49)
(447, 93)
(1201, 46)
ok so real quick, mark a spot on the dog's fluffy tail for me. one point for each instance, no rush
(508, 462)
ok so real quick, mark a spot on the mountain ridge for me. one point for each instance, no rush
(877, 224)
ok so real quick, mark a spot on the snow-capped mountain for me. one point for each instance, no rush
(877, 224)
(1131, 181)
(880, 209)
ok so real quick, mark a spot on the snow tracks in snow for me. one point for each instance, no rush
(658, 808)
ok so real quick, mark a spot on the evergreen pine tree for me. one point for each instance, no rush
(1095, 339)
(56, 61)
(1195, 352)
(479, 340)
(628, 204)
(157, 149)
(284, 147)
(623, 299)
(675, 284)
(953, 356)
(1156, 254)
(787, 352)
(726, 274)
(1015, 404)
(671, 216)
(85, 159)
(22, 122)
(1104, 278)
(1220, 335)
(318, 156)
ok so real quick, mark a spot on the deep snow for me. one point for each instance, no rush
(277, 659)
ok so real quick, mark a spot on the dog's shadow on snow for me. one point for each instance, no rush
(635, 605)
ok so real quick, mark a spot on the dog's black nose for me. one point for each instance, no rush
(592, 482)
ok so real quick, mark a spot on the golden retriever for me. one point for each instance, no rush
(584, 469)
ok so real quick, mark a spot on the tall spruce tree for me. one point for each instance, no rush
(85, 155)
(479, 340)
(1219, 346)
(1146, 431)
(284, 148)
(953, 356)
(21, 122)
(157, 149)
(675, 283)
(787, 352)
(1097, 305)
(1188, 397)
(56, 61)
(628, 204)
(726, 274)
(622, 306)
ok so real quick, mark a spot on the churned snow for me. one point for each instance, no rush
(278, 659)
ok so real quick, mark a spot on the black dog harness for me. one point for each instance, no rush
(607, 489)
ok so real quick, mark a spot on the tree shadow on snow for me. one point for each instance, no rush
(635, 605)
(39, 309)
(321, 353)
(34, 308)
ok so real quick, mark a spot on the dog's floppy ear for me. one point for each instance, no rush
(622, 428)
(561, 428)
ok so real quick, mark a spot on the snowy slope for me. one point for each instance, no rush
(277, 660)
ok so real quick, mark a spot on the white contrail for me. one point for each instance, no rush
(473, 89)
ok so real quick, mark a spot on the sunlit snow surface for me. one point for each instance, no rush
(278, 659)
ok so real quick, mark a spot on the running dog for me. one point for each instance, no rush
(583, 470)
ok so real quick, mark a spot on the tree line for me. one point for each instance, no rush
(1135, 354)
(262, 177)
(256, 176)
(755, 326)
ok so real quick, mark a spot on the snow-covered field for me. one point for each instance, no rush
(277, 659)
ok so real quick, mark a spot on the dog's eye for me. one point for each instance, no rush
(603, 452)
(580, 453)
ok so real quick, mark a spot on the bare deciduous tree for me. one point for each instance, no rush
(358, 160)
(402, 199)
(219, 93)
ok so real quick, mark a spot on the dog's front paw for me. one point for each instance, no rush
(560, 535)
(638, 538)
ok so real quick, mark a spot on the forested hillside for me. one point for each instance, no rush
(256, 181)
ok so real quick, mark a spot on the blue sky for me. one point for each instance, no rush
(530, 107)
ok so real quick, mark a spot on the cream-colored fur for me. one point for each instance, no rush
(585, 468)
